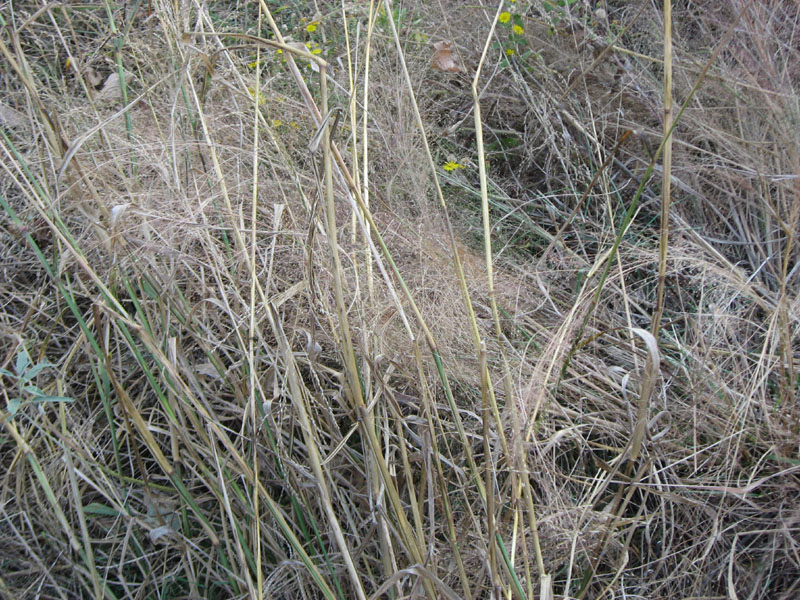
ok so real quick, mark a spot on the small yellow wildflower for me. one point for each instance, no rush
(504, 17)
(452, 166)
(518, 29)
(509, 51)
(312, 27)
(313, 47)
(254, 92)
(253, 64)
(277, 122)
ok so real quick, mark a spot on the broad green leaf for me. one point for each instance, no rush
(33, 390)
(96, 508)
(23, 360)
(52, 399)
(34, 371)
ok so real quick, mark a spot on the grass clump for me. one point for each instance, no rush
(294, 306)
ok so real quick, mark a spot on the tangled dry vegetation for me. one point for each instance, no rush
(252, 345)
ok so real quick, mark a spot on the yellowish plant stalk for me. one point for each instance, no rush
(251, 337)
(666, 176)
(515, 470)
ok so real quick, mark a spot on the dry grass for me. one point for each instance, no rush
(267, 355)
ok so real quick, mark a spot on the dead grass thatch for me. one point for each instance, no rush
(252, 345)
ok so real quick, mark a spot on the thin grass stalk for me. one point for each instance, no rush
(515, 470)
(666, 175)
(254, 412)
(373, 15)
(367, 234)
(489, 469)
(368, 339)
(344, 325)
(789, 378)
(455, 547)
(619, 504)
(487, 226)
(489, 256)
(508, 562)
(517, 528)
(351, 48)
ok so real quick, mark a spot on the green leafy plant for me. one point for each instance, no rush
(516, 44)
(559, 8)
(26, 390)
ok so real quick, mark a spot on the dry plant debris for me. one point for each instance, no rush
(400, 299)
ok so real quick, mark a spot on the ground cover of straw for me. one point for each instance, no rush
(404, 300)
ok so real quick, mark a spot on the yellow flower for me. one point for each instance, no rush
(253, 64)
(254, 92)
(504, 17)
(312, 27)
(452, 166)
(518, 29)
(277, 122)
(316, 51)
(510, 51)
